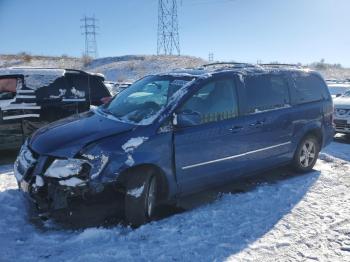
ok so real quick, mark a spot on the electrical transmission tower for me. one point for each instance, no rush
(211, 57)
(89, 31)
(168, 28)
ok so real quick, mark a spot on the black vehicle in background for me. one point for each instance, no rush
(33, 97)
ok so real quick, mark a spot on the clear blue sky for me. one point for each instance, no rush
(242, 30)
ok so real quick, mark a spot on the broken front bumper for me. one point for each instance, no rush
(47, 193)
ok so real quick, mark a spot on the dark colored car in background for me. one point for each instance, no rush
(33, 97)
(171, 135)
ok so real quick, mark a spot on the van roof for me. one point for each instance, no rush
(241, 68)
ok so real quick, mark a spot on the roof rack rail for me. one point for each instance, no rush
(229, 64)
(277, 65)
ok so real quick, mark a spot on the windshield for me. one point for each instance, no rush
(141, 102)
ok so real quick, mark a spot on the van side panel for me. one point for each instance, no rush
(313, 115)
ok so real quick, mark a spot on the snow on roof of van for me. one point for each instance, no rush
(35, 78)
(256, 69)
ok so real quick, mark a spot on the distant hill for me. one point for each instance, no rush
(130, 67)
(40, 61)
(133, 67)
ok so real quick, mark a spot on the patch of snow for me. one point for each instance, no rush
(103, 160)
(77, 93)
(241, 78)
(22, 106)
(133, 143)
(130, 161)
(72, 182)
(64, 168)
(140, 94)
(6, 103)
(62, 92)
(136, 192)
(39, 181)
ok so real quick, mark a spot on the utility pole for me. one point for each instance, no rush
(89, 31)
(168, 28)
(211, 57)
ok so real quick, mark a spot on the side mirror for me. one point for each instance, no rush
(187, 118)
(106, 99)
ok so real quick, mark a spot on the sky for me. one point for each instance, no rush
(287, 31)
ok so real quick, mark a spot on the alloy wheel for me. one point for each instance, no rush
(307, 154)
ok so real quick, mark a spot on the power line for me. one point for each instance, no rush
(89, 31)
(168, 40)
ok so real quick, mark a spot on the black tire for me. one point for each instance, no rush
(306, 154)
(138, 198)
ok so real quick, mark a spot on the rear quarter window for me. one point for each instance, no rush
(97, 89)
(309, 88)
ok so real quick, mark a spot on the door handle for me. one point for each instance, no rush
(235, 129)
(258, 123)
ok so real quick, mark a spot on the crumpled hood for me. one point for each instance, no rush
(66, 137)
(342, 102)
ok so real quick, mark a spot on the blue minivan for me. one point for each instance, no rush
(174, 134)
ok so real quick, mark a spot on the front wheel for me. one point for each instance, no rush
(306, 154)
(140, 198)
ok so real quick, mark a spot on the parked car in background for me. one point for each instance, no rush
(342, 113)
(171, 135)
(337, 88)
(32, 97)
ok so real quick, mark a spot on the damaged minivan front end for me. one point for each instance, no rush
(52, 183)
(54, 178)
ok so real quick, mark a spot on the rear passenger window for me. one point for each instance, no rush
(309, 88)
(266, 92)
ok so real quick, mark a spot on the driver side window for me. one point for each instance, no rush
(215, 101)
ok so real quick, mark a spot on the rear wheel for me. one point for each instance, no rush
(140, 198)
(306, 154)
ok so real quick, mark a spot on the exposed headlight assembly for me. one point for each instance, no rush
(65, 168)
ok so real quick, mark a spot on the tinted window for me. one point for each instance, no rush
(309, 88)
(215, 101)
(266, 92)
(97, 90)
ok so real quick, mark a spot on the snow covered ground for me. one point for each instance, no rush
(297, 218)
